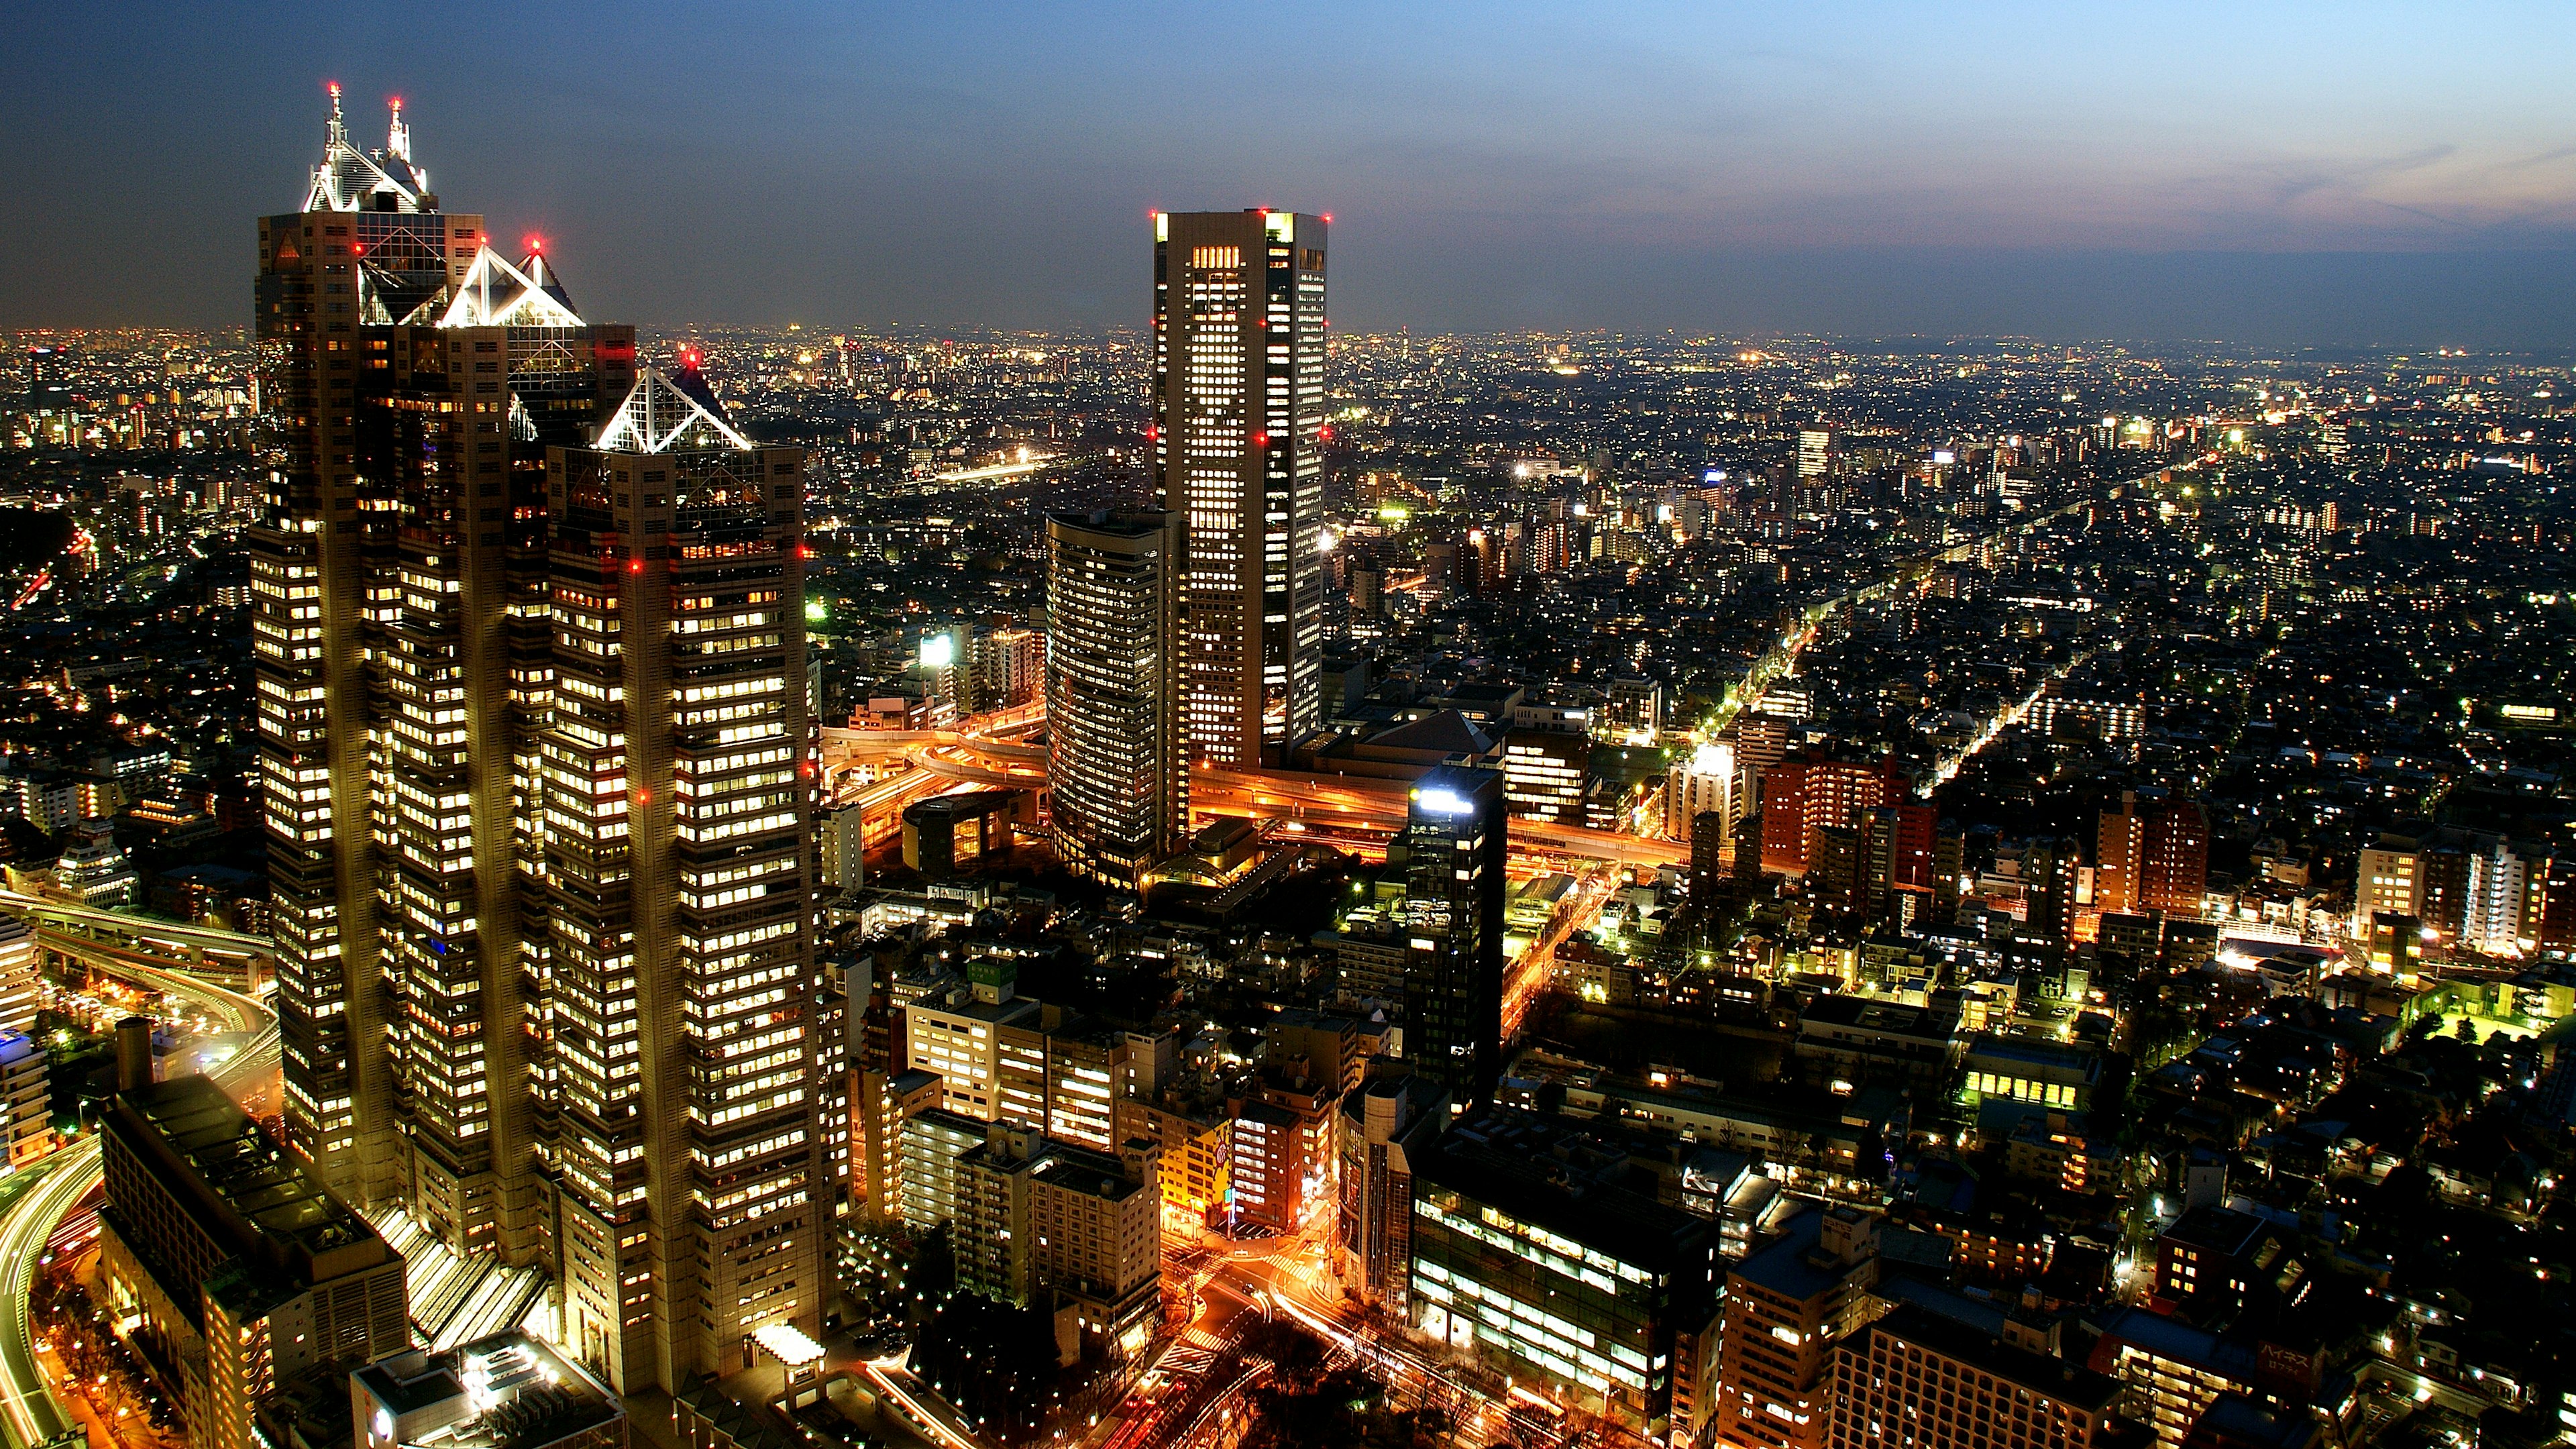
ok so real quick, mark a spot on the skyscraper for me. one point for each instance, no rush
(530, 652)
(1117, 759)
(1455, 841)
(1238, 434)
(411, 378)
(684, 996)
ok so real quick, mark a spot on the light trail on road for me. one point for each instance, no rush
(28, 1406)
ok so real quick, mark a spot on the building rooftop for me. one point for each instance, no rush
(245, 1171)
(508, 1391)
(1552, 1175)
(2218, 1230)
(2056, 1378)
(1889, 1018)
(1791, 1265)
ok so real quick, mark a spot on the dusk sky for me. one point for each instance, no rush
(2276, 173)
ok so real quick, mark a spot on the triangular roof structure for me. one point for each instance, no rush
(660, 416)
(1448, 731)
(493, 293)
(351, 179)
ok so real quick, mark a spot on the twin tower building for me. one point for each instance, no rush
(535, 741)
(1194, 631)
(534, 754)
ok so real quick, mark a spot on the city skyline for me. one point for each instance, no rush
(2302, 176)
(1205, 882)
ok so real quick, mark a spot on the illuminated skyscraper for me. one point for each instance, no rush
(1117, 762)
(1455, 842)
(1238, 443)
(689, 1157)
(409, 376)
(528, 1007)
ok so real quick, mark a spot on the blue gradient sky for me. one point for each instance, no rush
(2278, 173)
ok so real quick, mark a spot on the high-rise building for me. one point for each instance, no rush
(1819, 448)
(1802, 795)
(49, 385)
(1544, 770)
(530, 648)
(1040, 1222)
(1238, 444)
(1380, 1129)
(1455, 844)
(688, 1056)
(2117, 839)
(20, 986)
(411, 379)
(1783, 1307)
(1117, 753)
(1705, 782)
(2173, 857)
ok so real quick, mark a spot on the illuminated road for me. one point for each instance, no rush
(1285, 1281)
(28, 1407)
(924, 1412)
(114, 941)
(1528, 975)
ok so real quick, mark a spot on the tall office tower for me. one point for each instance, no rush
(412, 378)
(49, 385)
(1238, 435)
(1819, 446)
(1455, 840)
(689, 1153)
(1117, 757)
(368, 242)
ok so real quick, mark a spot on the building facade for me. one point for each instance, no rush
(1238, 444)
(689, 1150)
(1455, 841)
(1117, 752)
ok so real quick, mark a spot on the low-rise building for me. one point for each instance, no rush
(1528, 1258)
(226, 1264)
(1917, 1380)
(507, 1391)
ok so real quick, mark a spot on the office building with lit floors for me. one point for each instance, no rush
(412, 378)
(225, 1262)
(1239, 344)
(1555, 1273)
(689, 1144)
(1117, 754)
(1456, 836)
(1917, 1380)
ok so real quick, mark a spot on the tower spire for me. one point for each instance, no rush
(337, 131)
(398, 140)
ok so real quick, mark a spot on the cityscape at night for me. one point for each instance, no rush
(1680, 824)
